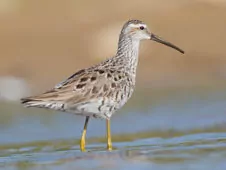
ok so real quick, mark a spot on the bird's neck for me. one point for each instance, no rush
(127, 53)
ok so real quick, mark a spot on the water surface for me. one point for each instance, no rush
(174, 128)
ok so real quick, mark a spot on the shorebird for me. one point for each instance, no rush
(100, 90)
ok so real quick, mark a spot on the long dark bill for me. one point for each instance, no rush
(159, 40)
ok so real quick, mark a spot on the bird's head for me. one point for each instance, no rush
(138, 30)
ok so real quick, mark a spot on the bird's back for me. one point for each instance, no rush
(98, 91)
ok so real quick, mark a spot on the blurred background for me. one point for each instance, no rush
(178, 106)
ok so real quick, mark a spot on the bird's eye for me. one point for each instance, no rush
(141, 27)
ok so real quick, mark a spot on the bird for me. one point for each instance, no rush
(100, 90)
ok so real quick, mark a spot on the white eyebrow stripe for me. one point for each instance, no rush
(138, 25)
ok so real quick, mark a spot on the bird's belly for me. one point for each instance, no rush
(101, 107)
(124, 97)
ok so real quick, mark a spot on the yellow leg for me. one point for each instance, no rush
(109, 143)
(83, 138)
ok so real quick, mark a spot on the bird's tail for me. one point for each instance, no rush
(32, 102)
(42, 103)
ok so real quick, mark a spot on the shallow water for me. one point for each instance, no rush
(174, 128)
